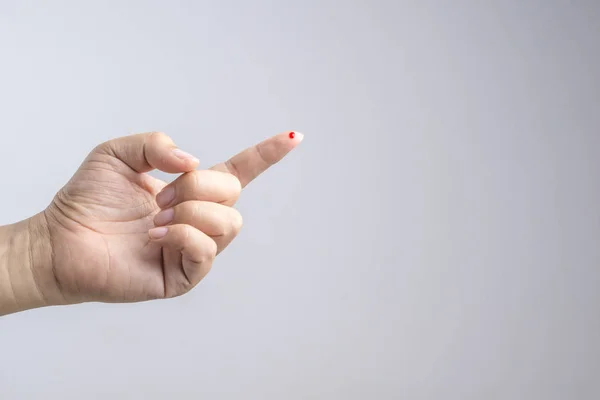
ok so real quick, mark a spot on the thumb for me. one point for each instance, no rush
(144, 152)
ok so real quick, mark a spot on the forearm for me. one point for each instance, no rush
(26, 278)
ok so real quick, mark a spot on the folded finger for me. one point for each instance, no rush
(220, 222)
(204, 185)
(197, 250)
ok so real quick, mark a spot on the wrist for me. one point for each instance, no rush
(26, 270)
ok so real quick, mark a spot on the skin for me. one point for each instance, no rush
(115, 234)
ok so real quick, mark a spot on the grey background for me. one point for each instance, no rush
(435, 236)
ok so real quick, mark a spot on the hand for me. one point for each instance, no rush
(119, 235)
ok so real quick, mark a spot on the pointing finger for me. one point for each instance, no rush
(255, 160)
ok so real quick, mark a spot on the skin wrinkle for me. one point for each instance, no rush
(232, 168)
(129, 273)
(10, 279)
(135, 179)
(145, 150)
(185, 244)
(187, 284)
(61, 202)
(64, 196)
(143, 184)
(77, 289)
(108, 259)
(31, 263)
(109, 150)
(101, 167)
(52, 255)
(66, 249)
(258, 148)
(139, 182)
(115, 184)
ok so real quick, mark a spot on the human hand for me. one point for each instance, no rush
(117, 234)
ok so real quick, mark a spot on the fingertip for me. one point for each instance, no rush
(277, 147)
(164, 217)
(166, 196)
(253, 161)
(185, 156)
(296, 136)
(188, 161)
(282, 143)
(163, 154)
(158, 233)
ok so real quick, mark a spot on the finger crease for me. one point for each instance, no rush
(261, 155)
(232, 168)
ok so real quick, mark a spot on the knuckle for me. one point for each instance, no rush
(236, 185)
(212, 250)
(191, 241)
(207, 253)
(194, 181)
(106, 147)
(186, 235)
(157, 136)
(236, 221)
(188, 210)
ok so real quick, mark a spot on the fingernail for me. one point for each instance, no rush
(184, 156)
(296, 135)
(164, 217)
(157, 233)
(165, 197)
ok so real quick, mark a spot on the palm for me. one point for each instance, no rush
(105, 211)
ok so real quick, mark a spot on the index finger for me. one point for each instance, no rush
(255, 160)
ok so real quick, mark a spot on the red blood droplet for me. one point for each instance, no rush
(292, 135)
